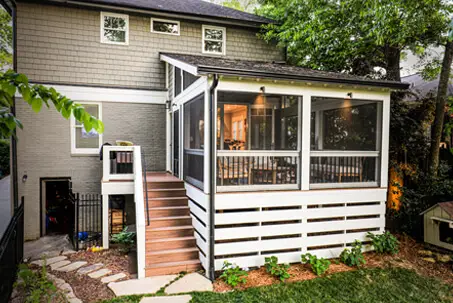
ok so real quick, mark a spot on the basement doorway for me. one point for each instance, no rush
(55, 206)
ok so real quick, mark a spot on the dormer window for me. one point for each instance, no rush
(114, 28)
(163, 26)
(214, 40)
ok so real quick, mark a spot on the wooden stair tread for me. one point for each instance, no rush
(170, 264)
(172, 251)
(169, 239)
(170, 218)
(170, 228)
(166, 189)
(168, 207)
(167, 198)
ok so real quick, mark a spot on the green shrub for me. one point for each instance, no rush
(277, 270)
(319, 266)
(233, 275)
(353, 256)
(126, 239)
(385, 243)
(4, 157)
(36, 285)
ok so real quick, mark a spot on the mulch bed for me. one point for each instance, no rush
(408, 258)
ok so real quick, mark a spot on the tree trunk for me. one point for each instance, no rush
(393, 56)
(441, 101)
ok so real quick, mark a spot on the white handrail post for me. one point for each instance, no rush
(105, 221)
(106, 163)
(140, 212)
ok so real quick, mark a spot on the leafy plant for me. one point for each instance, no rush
(318, 265)
(353, 256)
(36, 285)
(4, 157)
(233, 275)
(385, 243)
(126, 239)
(277, 270)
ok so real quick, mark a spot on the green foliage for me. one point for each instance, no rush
(277, 270)
(319, 266)
(353, 256)
(6, 39)
(241, 5)
(4, 157)
(36, 96)
(37, 287)
(126, 239)
(385, 243)
(233, 275)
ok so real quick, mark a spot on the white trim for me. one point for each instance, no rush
(251, 153)
(442, 220)
(103, 94)
(343, 185)
(165, 21)
(343, 153)
(256, 188)
(105, 220)
(181, 65)
(139, 213)
(385, 141)
(85, 151)
(195, 89)
(115, 15)
(223, 41)
(306, 141)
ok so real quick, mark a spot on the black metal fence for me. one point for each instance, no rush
(11, 252)
(86, 227)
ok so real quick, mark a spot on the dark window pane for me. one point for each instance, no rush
(115, 35)
(165, 27)
(215, 34)
(177, 77)
(189, 79)
(213, 46)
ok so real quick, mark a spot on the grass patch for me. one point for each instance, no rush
(392, 285)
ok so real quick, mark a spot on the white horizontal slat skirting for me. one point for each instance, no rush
(200, 228)
(257, 231)
(198, 212)
(198, 196)
(203, 260)
(256, 261)
(334, 239)
(365, 210)
(252, 246)
(316, 227)
(202, 244)
(297, 197)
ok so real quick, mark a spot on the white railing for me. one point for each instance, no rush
(139, 212)
(118, 163)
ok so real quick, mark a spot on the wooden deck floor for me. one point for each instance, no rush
(160, 177)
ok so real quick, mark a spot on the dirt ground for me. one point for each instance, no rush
(408, 257)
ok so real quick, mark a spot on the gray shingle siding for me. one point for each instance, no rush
(62, 45)
(44, 149)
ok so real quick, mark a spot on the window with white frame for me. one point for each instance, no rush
(163, 26)
(214, 40)
(85, 142)
(114, 28)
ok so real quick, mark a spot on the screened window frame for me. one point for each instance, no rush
(178, 23)
(114, 15)
(182, 82)
(73, 126)
(204, 39)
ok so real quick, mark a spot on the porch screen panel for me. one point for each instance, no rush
(193, 170)
(345, 141)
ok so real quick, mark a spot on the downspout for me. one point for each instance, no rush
(13, 111)
(212, 158)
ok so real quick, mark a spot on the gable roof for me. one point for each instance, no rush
(185, 7)
(422, 88)
(446, 206)
(216, 65)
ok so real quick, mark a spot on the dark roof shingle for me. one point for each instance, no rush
(189, 7)
(261, 69)
(447, 207)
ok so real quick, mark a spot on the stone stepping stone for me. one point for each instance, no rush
(172, 299)
(59, 264)
(49, 261)
(189, 283)
(91, 268)
(72, 266)
(99, 273)
(140, 287)
(113, 278)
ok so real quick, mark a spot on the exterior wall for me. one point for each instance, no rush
(44, 149)
(62, 45)
(431, 227)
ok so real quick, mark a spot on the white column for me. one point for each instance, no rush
(169, 123)
(207, 139)
(105, 221)
(305, 154)
(385, 141)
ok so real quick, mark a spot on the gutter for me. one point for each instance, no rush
(205, 70)
(212, 161)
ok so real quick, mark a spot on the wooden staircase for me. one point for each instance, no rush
(170, 243)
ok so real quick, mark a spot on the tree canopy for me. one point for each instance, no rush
(6, 39)
(363, 37)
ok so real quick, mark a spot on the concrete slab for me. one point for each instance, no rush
(189, 283)
(99, 273)
(140, 287)
(113, 278)
(59, 264)
(91, 268)
(49, 246)
(72, 266)
(49, 261)
(172, 299)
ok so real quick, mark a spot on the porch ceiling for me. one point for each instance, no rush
(204, 65)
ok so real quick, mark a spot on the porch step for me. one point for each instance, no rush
(171, 255)
(176, 211)
(164, 184)
(167, 202)
(170, 243)
(169, 221)
(172, 267)
(169, 232)
(162, 193)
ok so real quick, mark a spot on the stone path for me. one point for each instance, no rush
(189, 283)
(172, 299)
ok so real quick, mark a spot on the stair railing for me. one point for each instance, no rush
(139, 212)
(146, 187)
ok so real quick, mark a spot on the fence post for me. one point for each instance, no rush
(76, 206)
